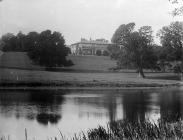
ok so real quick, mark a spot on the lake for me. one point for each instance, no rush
(44, 112)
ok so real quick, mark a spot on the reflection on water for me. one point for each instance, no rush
(42, 112)
(40, 105)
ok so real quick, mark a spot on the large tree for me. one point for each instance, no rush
(136, 47)
(117, 50)
(171, 38)
(10, 42)
(45, 48)
(49, 49)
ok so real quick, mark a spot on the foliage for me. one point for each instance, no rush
(114, 51)
(105, 53)
(10, 42)
(134, 48)
(171, 38)
(126, 130)
(122, 32)
(1, 44)
(49, 50)
(99, 52)
(45, 48)
(20, 42)
(178, 10)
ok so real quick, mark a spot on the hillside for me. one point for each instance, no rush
(17, 60)
(92, 63)
(81, 63)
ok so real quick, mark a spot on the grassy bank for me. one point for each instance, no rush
(124, 130)
(16, 70)
(16, 77)
(20, 60)
(140, 130)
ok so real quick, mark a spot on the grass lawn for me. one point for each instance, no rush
(92, 63)
(71, 79)
(17, 60)
(82, 63)
(16, 68)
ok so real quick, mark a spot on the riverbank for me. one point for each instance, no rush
(17, 71)
(125, 130)
(29, 78)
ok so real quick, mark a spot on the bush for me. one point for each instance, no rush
(177, 69)
(50, 50)
(105, 53)
(99, 52)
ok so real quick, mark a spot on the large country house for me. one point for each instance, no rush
(89, 47)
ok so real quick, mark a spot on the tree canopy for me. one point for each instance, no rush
(46, 48)
(171, 38)
(135, 47)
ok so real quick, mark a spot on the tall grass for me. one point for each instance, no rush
(125, 130)
(138, 130)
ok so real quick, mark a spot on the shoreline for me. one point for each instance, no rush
(24, 79)
(87, 85)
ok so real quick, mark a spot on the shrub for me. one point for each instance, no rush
(105, 53)
(99, 52)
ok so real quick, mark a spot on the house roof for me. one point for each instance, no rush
(92, 42)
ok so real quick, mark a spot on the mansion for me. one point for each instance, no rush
(89, 47)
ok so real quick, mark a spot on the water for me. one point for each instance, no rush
(43, 112)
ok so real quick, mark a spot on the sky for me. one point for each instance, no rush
(77, 19)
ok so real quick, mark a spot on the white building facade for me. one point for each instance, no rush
(89, 47)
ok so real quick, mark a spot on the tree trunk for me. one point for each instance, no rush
(181, 67)
(141, 73)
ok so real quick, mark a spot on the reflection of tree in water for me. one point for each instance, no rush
(171, 105)
(100, 99)
(42, 105)
(135, 105)
(45, 118)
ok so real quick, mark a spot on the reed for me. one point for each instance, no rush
(125, 130)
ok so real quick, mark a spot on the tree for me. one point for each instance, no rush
(171, 38)
(178, 10)
(14, 43)
(105, 53)
(9, 40)
(1, 44)
(117, 50)
(136, 47)
(21, 41)
(122, 32)
(31, 40)
(45, 48)
(99, 52)
(49, 49)
(114, 51)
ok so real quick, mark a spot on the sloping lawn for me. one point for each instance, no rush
(95, 63)
(17, 60)
(81, 63)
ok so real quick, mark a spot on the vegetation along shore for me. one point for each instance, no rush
(125, 130)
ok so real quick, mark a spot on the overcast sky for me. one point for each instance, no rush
(82, 18)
